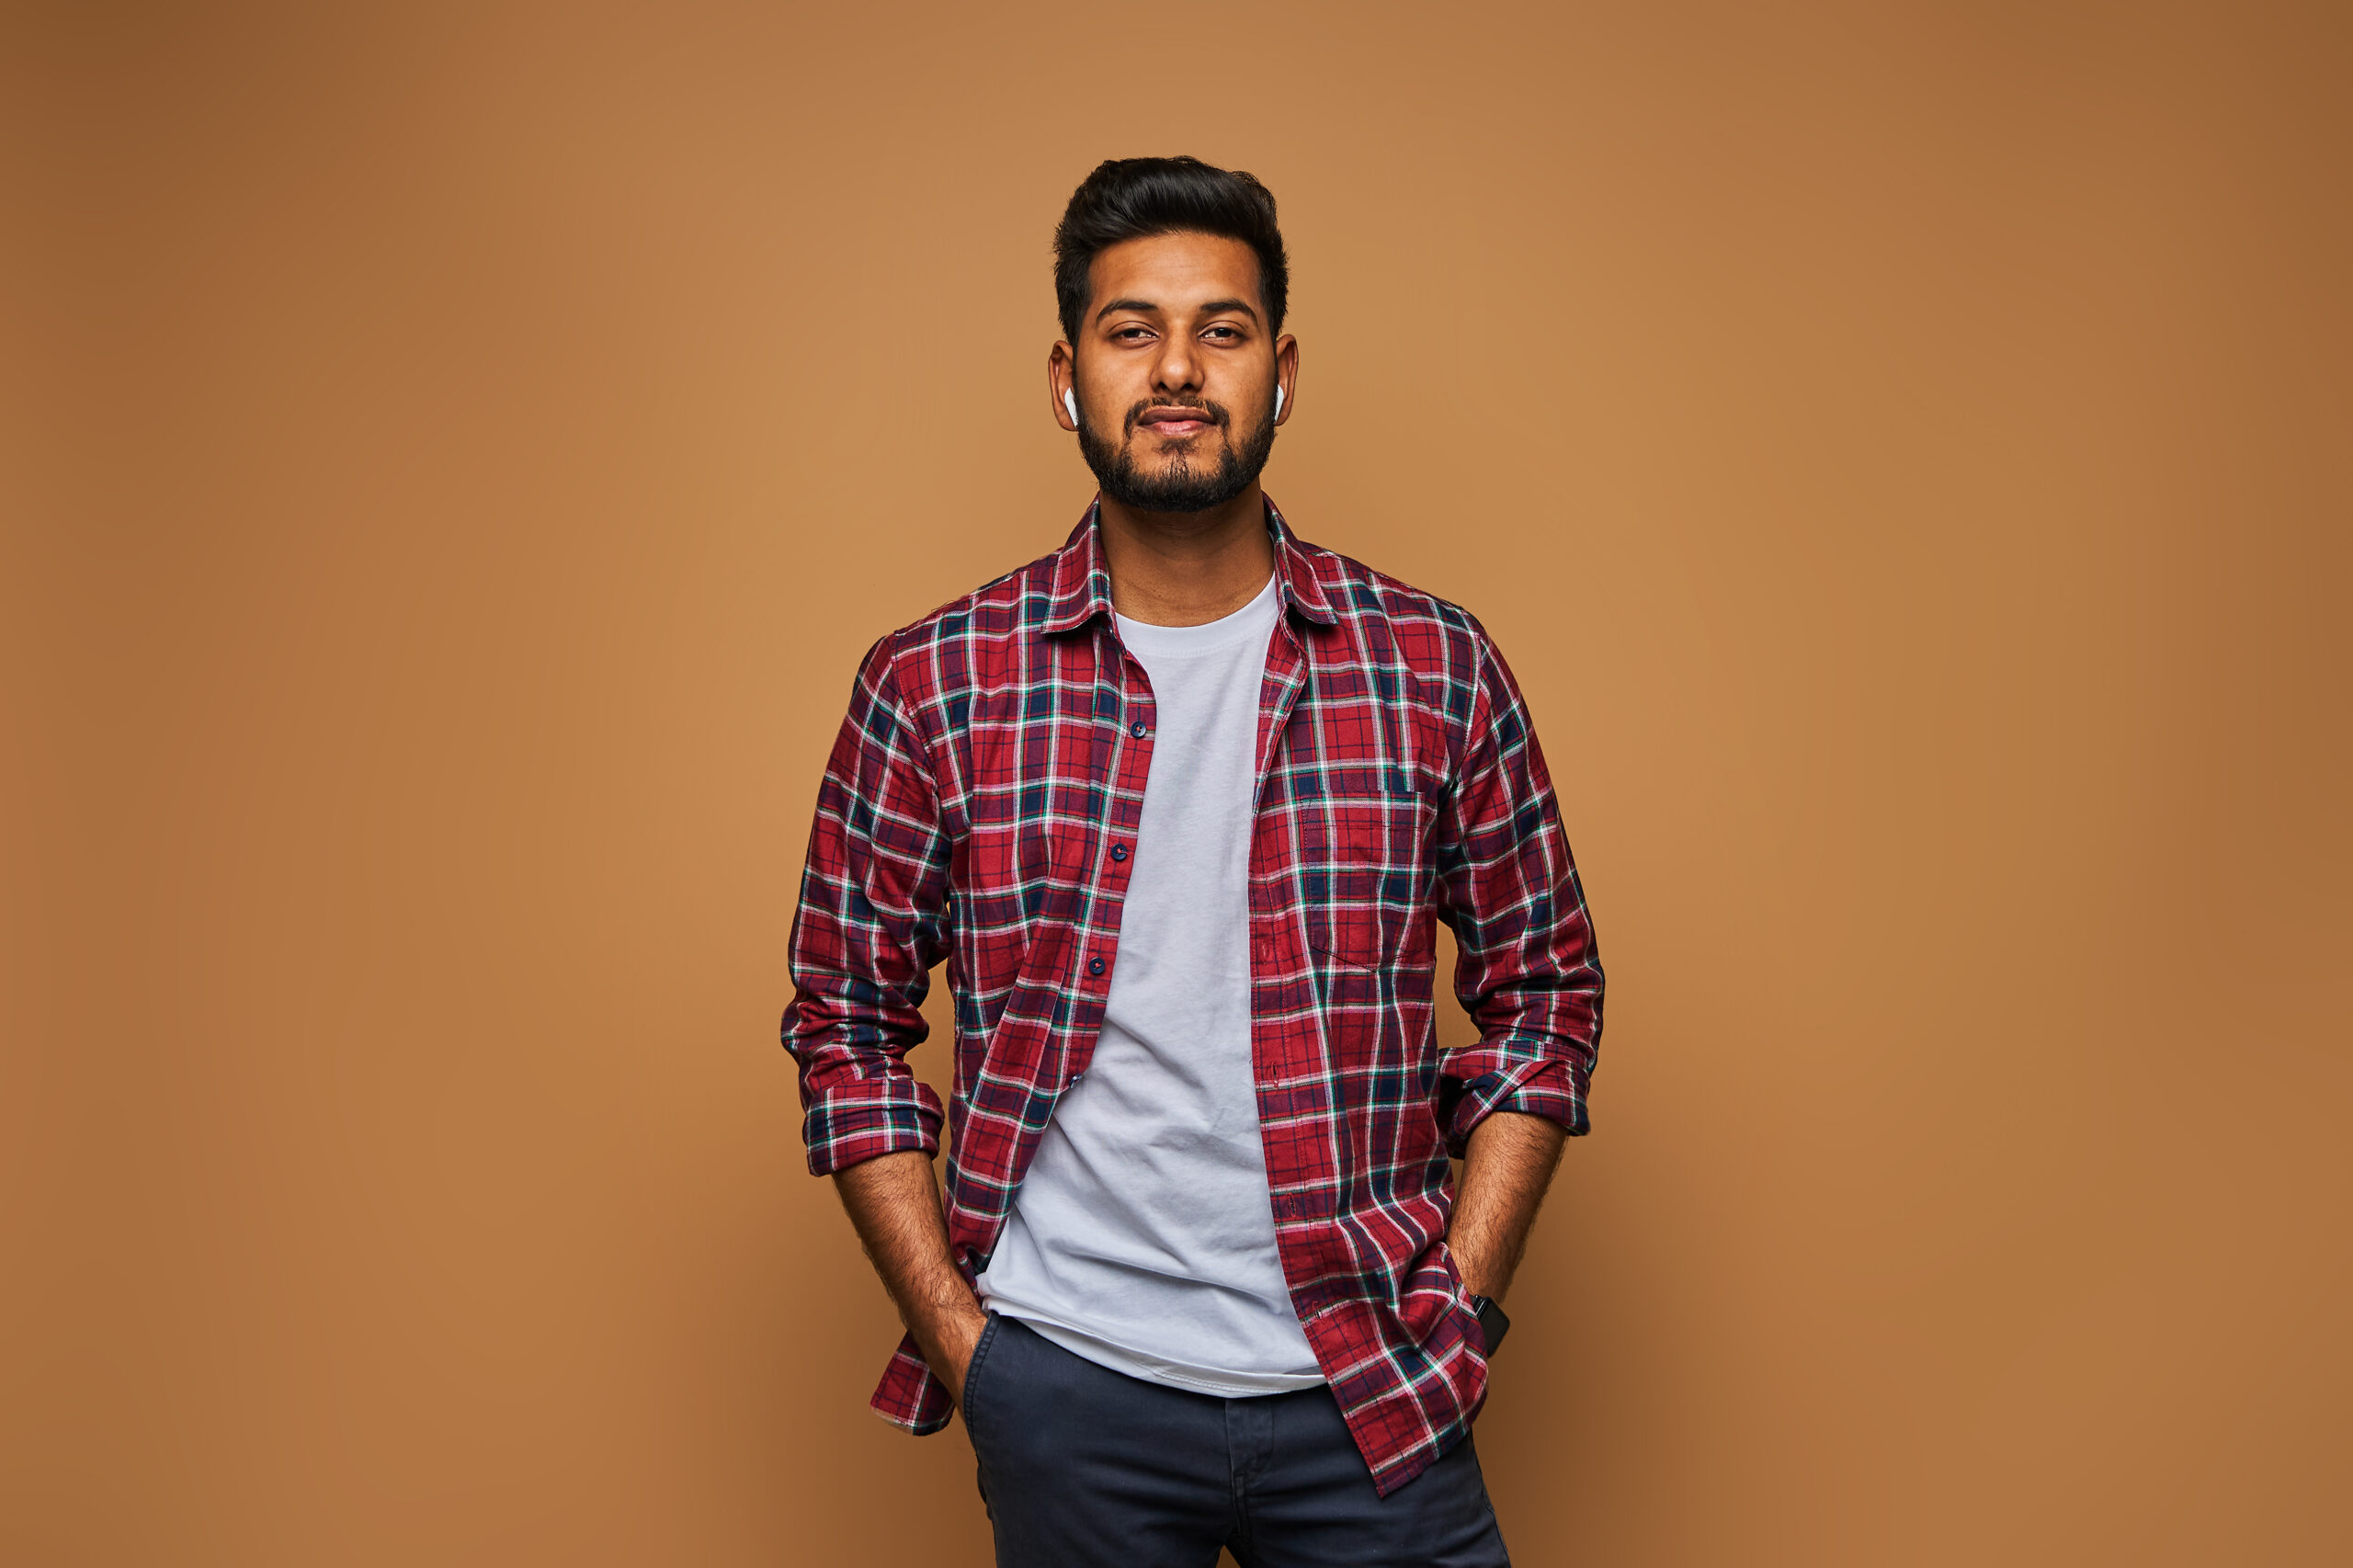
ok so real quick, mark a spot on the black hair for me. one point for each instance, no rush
(1129, 198)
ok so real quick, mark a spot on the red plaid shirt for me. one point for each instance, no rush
(979, 807)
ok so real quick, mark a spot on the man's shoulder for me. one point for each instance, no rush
(1001, 610)
(1434, 634)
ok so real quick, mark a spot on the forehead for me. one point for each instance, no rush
(1176, 271)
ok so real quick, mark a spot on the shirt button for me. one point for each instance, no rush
(1095, 966)
(1138, 729)
(1119, 852)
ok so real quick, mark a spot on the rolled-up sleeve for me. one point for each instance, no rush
(871, 923)
(1527, 970)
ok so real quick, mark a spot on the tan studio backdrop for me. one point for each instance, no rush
(454, 456)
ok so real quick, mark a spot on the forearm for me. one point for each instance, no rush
(1508, 1164)
(894, 1203)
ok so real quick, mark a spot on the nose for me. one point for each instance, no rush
(1177, 371)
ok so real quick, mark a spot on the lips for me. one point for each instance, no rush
(1175, 424)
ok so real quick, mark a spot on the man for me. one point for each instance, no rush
(1178, 805)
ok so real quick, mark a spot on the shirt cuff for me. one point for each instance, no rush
(1547, 1087)
(869, 1117)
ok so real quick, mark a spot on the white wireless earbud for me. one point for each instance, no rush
(1278, 400)
(1070, 400)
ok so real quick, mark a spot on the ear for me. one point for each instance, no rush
(1062, 385)
(1286, 377)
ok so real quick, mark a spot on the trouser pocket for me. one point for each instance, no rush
(972, 1367)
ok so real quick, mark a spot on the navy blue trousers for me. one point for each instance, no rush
(1081, 1466)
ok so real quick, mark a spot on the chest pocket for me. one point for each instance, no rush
(1364, 858)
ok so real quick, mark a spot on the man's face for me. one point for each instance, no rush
(1174, 371)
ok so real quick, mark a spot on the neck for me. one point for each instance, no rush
(1183, 568)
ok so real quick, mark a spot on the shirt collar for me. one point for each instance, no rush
(1082, 587)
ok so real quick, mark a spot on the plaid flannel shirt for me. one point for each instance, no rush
(978, 808)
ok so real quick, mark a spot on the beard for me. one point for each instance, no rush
(1184, 484)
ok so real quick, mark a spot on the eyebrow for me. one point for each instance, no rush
(1214, 307)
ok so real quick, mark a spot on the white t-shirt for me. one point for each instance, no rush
(1143, 1236)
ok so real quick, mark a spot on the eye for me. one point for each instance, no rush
(1224, 334)
(1132, 333)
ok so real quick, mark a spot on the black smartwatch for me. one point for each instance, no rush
(1493, 1325)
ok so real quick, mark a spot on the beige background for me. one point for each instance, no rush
(455, 454)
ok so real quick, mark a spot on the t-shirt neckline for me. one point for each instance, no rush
(1206, 636)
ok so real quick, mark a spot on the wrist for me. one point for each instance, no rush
(1478, 1280)
(956, 1326)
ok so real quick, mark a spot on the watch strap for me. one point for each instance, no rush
(1493, 1323)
